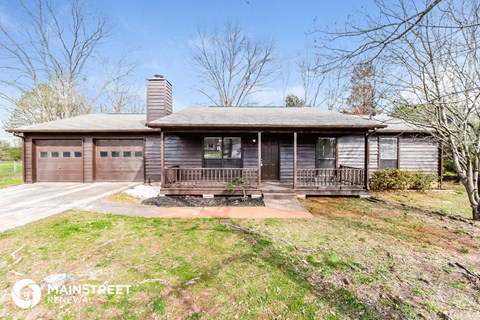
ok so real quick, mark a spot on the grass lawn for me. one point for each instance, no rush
(355, 260)
(453, 199)
(9, 178)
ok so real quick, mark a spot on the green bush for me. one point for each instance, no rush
(401, 180)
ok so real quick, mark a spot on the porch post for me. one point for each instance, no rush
(162, 177)
(367, 160)
(295, 160)
(259, 145)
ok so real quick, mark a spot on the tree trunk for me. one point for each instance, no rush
(476, 212)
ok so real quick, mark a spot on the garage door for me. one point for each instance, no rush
(119, 160)
(58, 161)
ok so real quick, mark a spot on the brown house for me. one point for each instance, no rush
(199, 150)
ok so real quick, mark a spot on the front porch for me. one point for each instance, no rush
(284, 161)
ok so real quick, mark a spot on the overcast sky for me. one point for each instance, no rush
(158, 34)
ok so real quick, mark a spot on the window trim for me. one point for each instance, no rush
(397, 145)
(221, 153)
(335, 152)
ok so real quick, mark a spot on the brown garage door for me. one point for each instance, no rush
(58, 161)
(119, 160)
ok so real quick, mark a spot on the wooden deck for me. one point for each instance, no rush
(345, 181)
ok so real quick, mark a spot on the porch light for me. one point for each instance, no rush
(254, 140)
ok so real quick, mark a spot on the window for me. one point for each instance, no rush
(43, 154)
(127, 154)
(326, 153)
(103, 154)
(115, 154)
(78, 154)
(66, 154)
(388, 153)
(138, 154)
(54, 154)
(222, 152)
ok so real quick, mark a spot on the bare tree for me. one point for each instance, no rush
(373, 33)
(119, 94)
(322, 87)
(50, 50)
(231, 65)
(312, 78)
(434, 73)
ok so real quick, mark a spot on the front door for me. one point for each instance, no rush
(270, 166)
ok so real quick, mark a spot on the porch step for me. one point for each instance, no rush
(279, 195)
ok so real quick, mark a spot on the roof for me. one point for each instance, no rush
(278, 117)
(118, 122)
(395, 125)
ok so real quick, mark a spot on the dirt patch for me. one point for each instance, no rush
(188, 201)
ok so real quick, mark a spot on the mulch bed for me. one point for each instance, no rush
(188, 201)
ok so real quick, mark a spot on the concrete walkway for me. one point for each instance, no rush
(27, 203)
(31, 202)
(128, 209)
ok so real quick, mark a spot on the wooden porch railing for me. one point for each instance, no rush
(208, 177)
(331, 178)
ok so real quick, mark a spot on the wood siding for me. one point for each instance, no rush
(184, 151)
(250, 152)
(418, 153)
(351, 150)
(88, 160)
(306, 148)
(159, 98)
(153, 158)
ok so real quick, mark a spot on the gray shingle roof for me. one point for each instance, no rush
(91, 123)
(262, 117)
(222, 117)
(395, 125)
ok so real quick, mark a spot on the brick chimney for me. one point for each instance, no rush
(159, 98)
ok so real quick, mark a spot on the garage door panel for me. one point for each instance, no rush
(58, 161)
(119, 160)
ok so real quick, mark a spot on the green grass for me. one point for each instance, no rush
(8, 177)
(355, 260)
(452, 200)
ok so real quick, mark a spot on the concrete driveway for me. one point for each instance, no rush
(30, 202)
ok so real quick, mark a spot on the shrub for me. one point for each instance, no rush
(401, 180)
(11, 153)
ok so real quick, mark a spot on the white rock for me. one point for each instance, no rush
(143, 192)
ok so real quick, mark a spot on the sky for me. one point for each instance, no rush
(158, 34)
